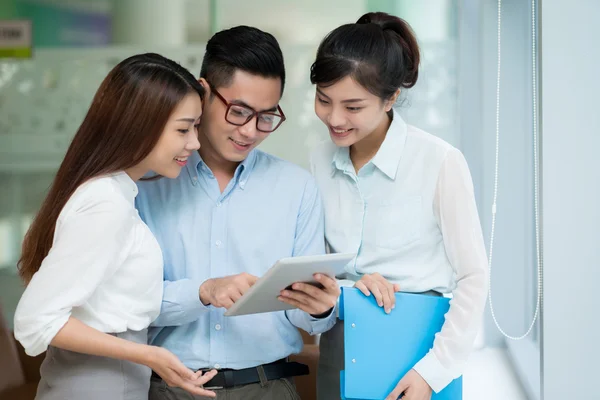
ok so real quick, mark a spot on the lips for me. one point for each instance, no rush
(340, 133)
(240, 145)
(182, 161)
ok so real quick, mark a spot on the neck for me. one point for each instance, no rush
(364, 150)
(222, 169)
(136, 172)
(217, 164)
(214, 161)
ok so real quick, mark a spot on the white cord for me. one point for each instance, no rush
(536, 181)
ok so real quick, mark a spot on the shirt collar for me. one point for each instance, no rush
(241, 175)
(126, 184)
(244, 170)
(388, 156)
(341, 160)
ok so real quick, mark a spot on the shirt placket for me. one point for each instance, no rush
(218, 258)
(361, 203)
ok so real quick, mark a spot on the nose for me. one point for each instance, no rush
(193, 142)
(336, 117)
(249, 129)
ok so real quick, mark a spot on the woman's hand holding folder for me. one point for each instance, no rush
(412, 387)
(382, 289)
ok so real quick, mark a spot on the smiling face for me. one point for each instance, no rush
(224, 143)
(350, 111)
(178, 139)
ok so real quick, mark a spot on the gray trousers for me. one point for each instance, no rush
(282, 389)
(66, 375)
(331, 360)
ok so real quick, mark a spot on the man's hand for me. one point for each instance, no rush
(223, 292)
(311, 299)
(412, 387)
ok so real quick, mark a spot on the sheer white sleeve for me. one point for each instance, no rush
(456, 214)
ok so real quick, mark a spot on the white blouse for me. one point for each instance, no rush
(410, 215)
(105, 268)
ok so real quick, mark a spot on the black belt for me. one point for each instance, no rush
(228, 378)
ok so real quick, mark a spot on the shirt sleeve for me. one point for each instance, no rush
(456, 214)
(310, 240)
(181, 303)
(181, 298)
(88, 247)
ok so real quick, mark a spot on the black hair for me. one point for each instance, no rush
(379, 51)
(245, 48)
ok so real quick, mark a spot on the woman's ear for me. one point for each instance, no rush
(390, 103)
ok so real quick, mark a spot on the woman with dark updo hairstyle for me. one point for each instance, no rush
(399, 197)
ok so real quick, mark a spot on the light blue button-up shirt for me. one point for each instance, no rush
(410, 215)
(269, 210)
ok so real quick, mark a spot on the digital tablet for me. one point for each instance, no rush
(262, 296)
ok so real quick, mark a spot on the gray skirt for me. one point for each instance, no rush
(66, 375)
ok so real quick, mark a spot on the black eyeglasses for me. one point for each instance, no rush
(239, 114)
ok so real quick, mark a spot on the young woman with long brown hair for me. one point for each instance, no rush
(93, 269)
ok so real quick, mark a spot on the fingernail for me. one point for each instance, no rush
(318, 276)
(284, 293)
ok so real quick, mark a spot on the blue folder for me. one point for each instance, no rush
(381, 348)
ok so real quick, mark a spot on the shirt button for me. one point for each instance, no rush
(217, 366)
(218, 327)
(218, 243)
(218, 204)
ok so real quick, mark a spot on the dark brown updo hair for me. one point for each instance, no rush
(379, 51)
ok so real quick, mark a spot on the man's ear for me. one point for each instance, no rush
(204, 84)
(206, 87)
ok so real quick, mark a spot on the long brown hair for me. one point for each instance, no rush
(123, 124)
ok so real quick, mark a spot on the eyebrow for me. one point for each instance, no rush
(343, 101)
(190, 120)
(243, 103)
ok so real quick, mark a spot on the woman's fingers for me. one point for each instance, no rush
(360, 285)
(383, 290)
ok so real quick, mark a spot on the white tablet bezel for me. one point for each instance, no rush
(262, 296)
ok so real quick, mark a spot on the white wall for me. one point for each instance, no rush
(571, 190)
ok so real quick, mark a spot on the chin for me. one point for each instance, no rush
(236, 157)
(343, 142)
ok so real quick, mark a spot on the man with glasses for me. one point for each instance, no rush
(232, 212)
